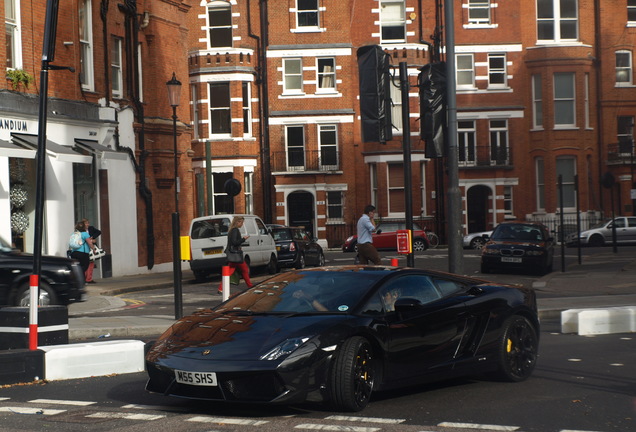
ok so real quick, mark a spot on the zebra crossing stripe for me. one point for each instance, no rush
(365, 419)
(312, 426)
(226, 420)
(478, 426)
(61, 402)
(156, 408)
(125, 416)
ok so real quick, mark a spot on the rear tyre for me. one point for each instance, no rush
(272, 265)
(46, 295)
(352, 375)
(321, 260)
(517, 349)
(300, 264)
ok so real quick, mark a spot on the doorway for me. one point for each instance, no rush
(300, 208)
(478, 202)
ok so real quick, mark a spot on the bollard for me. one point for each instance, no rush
(226, 272)
(394, 262)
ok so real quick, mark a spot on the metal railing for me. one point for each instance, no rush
(621, 153)
(553, 223)
(480, 156)
(300, 160)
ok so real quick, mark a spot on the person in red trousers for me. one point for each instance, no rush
(234, 242)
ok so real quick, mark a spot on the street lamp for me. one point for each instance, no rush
(174, 96)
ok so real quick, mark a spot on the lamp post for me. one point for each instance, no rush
(174, 96)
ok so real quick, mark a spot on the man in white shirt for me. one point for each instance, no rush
(366, 227)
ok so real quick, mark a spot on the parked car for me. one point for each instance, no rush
(519, 245)
(385, 238)
(61, 279)
(337, 334)
(208, 240)
(602, 233)
(296, 248)
(476, 240)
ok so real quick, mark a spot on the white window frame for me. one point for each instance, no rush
(467, 142)
(625, 133)
(539, 166)
(246, 101)
(624, 68)
(564, 100)
(14, 23)
(394, 188)
(508, 202)
(299, 147)
(631, 12)
(194, 101)
(587, 101)
(323, 130)
(325, 80)
(307, 11)
(227, 108)
(499, 136)
(553, 16)
(373, 181)
(466, 72)
(333, 203)
(116, 73)
(87, 74)
(140, 69)
(476, 11)
(537, 101)
(395, 92)
(569, 185)
(497, 71)
(389, 22)
(218, 6)
(289, 75)
(248, 182)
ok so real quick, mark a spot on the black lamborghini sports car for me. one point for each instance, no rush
(337, 334)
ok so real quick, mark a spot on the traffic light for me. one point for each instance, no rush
(375, 96)
(432, 83)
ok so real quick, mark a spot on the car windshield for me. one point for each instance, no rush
(210, 228)
(5, 246)
(306, 292)
(517, 232)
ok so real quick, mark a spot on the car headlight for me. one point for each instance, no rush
(349, 239)
(284, 348)
(489, 251)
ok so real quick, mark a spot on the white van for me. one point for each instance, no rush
(208, 240)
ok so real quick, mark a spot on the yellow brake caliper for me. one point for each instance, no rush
(509, 345)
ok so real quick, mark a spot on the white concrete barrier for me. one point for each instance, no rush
(82, 360)
(599, 320)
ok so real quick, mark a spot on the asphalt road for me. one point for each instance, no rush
(580, 384)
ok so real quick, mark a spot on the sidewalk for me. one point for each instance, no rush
(601, 280)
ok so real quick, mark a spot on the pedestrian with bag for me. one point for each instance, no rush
(93, 233)
(366, 227)
(234, 252)
(80, 245)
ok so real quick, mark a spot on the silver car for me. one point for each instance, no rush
(475, 240)
(602, 233)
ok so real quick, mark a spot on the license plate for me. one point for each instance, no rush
(212, 251)
(510, 259)
(196, 378)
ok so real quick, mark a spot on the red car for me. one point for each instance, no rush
(387, 238)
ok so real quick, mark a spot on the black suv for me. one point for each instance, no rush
(296, 248)
(61, 279)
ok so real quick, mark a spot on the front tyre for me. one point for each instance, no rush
(46, 296)
(517, 350)
(419, 245)
(272, 265)
(352, 375)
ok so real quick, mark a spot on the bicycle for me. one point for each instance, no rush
(433, 239)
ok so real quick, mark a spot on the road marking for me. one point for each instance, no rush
(575, 430)
(156, 408)
(125, 416)
(366, 419)
(62, 402)
(478, 426)
(26, 410)
(312, 426)
(227, 420)
(4, 399)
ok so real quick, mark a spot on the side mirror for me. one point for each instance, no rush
(405, 304)
(379, 231)
(485, 236)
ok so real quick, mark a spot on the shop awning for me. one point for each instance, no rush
(9, 149)
(99, 150)
(60, 152)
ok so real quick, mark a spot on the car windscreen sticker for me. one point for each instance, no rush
(343, 308)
